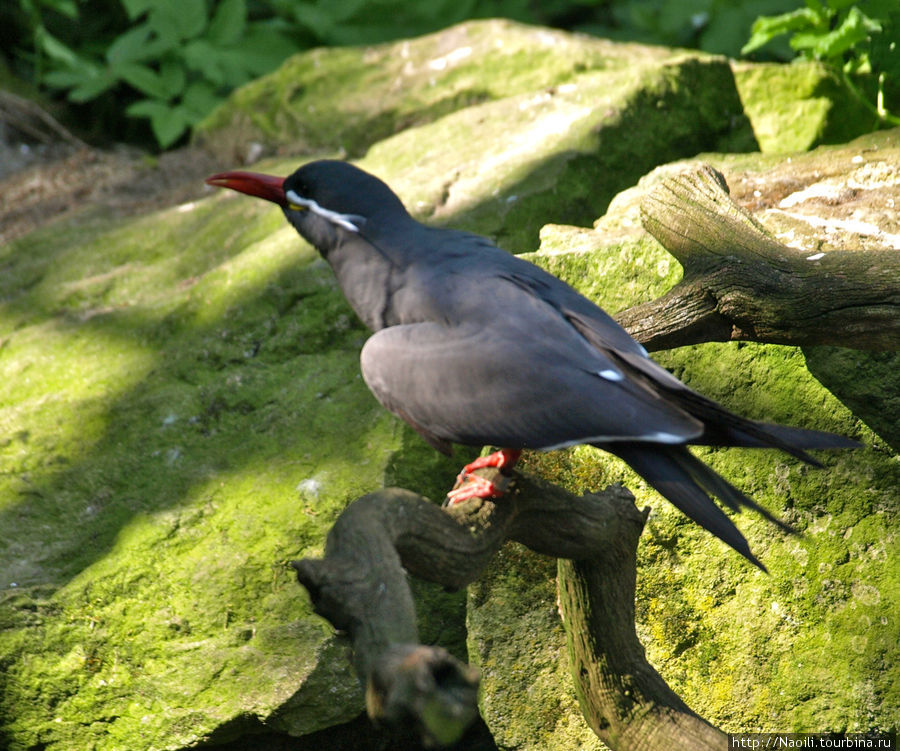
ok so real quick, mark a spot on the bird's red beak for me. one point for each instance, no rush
(269, 187)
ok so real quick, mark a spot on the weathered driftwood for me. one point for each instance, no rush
(33, 121)
(360, 586)
(741, 284)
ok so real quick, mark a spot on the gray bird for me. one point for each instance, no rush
(475, 346)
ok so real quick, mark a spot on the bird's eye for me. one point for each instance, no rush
(296, 207)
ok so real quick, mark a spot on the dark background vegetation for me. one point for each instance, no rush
(145, 71)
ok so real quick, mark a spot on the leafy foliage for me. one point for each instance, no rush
(841, 34)
(180, 59)
(718, 26)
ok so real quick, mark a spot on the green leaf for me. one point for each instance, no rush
(231, 66)
(130, 46)
(146, 108)
(188, 18)
(93, 87)
(199, 100)
(55, 49)
(229, 22)
(766, 28)
(66, 8)
(178, 20)
(166, 27)
(172, 77)
(855, 28)
(170, 126)
(202, 57)
(816, 6)
(64, 78)
(135, 8)
(344, 10)
(263, 50)
(315, 19)
(144, 79)
(83, 78)
(166, 122)
(84, 84)
(859, 64)
(193, 15)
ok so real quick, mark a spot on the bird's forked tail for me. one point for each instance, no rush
(688, 483)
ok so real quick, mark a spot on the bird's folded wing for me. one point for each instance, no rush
(531, 388)
(721, 426)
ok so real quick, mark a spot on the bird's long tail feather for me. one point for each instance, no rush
(792, 441)
(723, 427)
(688, 483)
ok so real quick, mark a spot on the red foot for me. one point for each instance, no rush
(470, 485)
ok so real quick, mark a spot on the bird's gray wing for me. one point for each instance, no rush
(533, 385)
(721, 426)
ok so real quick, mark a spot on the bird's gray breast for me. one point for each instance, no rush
(390, 284)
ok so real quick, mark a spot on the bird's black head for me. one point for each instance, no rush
(322, 199)
(341, 189)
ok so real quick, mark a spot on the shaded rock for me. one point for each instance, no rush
(517, 640)
(867, 382)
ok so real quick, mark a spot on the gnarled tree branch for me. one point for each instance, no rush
(360, 586)
(741, 284)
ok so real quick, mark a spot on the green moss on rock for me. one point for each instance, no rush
(797, 107)
(558, 155)
(350, 98)
(527, 696)
(171, 409)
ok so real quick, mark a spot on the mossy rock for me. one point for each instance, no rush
(799, 106)
(346, 99)
(182, 409)
(493, 126)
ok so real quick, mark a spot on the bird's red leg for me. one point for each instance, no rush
(470, 485)
(502, 459)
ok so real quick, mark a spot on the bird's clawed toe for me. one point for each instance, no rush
(470, 483)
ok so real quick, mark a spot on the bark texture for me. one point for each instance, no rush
(741, 284)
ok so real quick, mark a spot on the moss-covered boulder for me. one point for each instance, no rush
(171, 391)
(350, 98)
(494, 126)
(182, 411)
(346, 100)
(799, 106)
